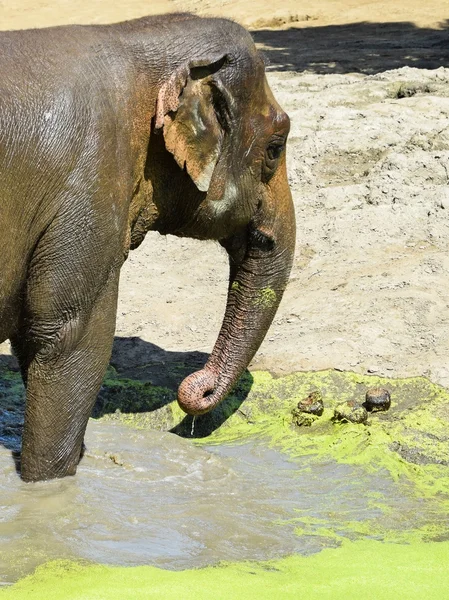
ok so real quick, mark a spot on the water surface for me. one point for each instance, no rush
(147, 497)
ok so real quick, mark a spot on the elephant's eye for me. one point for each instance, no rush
(261, 240)
(273, 152)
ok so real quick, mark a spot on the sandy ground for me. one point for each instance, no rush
(367, 89)
(20, 14)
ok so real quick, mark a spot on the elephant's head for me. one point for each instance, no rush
(224, 177)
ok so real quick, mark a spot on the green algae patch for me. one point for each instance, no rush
(266, 298)
(407, 446)
(365, 569)
(136, 403)
(410, 441)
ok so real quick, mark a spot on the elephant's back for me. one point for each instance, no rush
(51, 120)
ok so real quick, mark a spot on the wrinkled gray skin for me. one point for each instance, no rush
(107, 132)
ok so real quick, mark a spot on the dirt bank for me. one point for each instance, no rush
(368, 162)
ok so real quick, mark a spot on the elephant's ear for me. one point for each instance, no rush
(186, 110)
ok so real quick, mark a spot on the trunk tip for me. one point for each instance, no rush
(195, 394)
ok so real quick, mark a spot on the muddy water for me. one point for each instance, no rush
(146, 497)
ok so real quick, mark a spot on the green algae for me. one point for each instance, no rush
(411, 440)
(266, 298)
(409, 444)
(136, 403)
(367, 569)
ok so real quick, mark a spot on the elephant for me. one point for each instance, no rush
(163, 123)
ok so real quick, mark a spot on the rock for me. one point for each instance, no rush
(350, 412)
(308, 410)
(303, 419)
(377, 399)
(313, 404)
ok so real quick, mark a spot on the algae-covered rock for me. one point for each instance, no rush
(350, 412)
(303, 419)
(313, 404)
(308, 409)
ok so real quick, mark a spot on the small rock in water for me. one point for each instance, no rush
(308, 410)
(350, 412)
(377, 399)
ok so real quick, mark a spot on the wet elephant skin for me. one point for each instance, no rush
(107, 132)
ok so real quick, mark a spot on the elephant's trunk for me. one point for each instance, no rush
(258, 277)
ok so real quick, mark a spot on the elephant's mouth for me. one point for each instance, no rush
(198, 393)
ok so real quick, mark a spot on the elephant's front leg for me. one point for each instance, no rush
(63, 378)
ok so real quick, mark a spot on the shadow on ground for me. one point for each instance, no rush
(367, 48)
(142, 379)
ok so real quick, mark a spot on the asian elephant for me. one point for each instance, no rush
(106, 132)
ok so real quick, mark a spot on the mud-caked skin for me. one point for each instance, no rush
(107, 132)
